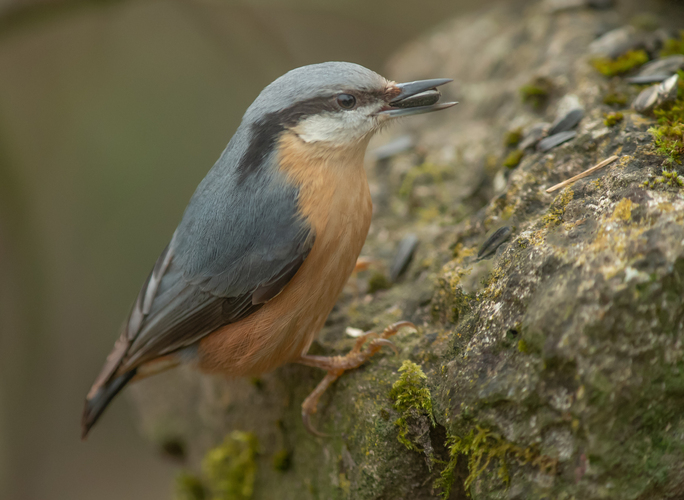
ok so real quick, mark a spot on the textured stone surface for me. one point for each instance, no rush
(566, 344)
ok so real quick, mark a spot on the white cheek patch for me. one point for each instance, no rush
(341, 127)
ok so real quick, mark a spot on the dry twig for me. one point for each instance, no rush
(593, 169)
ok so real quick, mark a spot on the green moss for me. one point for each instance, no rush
(522, 346)
(378, 281)
(536, 93)
(230, 468)
(557, 209)
(667, 135)
(668, 138)
(667, 142)
(530, 92)
(513, 159)
(672, 179)
(668, 178)
(612, 119)
(410, 394)
(482, 446)
(623, 64)
(513, 138)
(189, 487)
(615, 99)
(673, 46)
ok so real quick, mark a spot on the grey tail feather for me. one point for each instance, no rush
(95, 406)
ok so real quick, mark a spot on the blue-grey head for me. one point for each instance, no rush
(338, 103)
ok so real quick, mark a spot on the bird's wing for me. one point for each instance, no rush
(174, 310)
(235, 249)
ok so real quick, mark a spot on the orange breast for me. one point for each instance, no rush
(334, 198)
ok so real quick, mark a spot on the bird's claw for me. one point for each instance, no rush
(381, 342)
(336, 366)
(306, 419)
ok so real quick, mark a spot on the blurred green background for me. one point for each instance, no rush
(110, 114)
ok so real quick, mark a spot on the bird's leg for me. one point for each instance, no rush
(337, 365)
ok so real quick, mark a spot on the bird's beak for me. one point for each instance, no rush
(416, 97)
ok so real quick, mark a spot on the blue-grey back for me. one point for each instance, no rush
(235, 235)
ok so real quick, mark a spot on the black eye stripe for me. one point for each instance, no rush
(265, 133)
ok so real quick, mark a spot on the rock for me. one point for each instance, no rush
(619, 41)
(614, 43)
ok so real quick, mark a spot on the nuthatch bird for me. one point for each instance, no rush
(269, 238)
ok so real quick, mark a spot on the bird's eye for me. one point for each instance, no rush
(346, 101)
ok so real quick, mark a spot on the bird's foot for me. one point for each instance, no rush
(337, 365)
